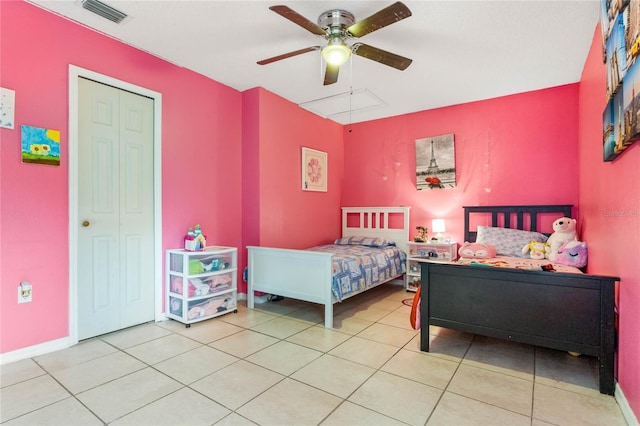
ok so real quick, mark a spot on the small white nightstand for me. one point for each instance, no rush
(421, 252)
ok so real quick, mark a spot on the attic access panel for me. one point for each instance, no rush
(343, 104)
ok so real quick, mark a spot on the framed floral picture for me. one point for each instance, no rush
(314, 170)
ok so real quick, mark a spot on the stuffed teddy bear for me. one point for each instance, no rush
(572, 253)
(536, 249)
(564, 229)
(477, 250)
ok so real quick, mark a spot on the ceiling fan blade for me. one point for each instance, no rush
(387, 16)
(288, 55)
(331, 74)
(296, 18)
(382, 56)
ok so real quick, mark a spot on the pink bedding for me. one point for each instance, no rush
(519, 263)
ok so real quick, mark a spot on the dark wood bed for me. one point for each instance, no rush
(564, 311)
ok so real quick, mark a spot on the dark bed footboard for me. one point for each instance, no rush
(569, 312)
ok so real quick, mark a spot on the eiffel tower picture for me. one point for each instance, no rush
(433, 165)
(435, 162)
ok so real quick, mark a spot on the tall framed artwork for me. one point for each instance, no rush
(435, 162)
(314, 170)
(621, 40)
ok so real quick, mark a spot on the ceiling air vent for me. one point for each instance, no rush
(104, 10)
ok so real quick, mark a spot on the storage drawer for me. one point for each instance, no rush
(175, 306)
(201, 286)
(440, 252)
(414, 267)
(204, 308)
(200, 263)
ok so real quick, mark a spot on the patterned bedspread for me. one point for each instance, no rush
(357, 268)
(519, 263)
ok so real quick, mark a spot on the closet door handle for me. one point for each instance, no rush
(85, 223)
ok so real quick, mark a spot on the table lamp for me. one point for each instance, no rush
(437, 226)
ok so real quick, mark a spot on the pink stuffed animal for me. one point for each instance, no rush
(572, 253)
(477, 251)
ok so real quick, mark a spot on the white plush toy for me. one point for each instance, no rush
(564, 230)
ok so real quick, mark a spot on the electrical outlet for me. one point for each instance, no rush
(25, 292)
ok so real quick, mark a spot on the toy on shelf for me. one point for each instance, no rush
(422, 236)
(195, 239)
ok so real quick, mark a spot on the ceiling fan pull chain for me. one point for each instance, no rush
(350, 90)
(350, 96)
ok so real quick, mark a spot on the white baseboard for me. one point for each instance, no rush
(33, 351)
(627, 412)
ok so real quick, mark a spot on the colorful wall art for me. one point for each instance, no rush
(621, 40)
(40, 146)
(7, 107)
(314, 170)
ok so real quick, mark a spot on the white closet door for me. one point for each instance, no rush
(115, 235)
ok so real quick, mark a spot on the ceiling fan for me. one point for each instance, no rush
(337, 26)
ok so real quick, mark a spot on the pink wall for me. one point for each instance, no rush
(287, 215)
(250, 173)
(201, 144)
(510, 150)
(231, 162)
(610, 217)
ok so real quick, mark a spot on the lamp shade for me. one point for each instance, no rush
(437, 225)
(336, 52)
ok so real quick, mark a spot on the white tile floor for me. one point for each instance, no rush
(278, 365)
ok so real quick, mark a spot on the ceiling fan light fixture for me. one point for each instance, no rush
(336, 52)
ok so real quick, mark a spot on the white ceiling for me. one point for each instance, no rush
(462, 51)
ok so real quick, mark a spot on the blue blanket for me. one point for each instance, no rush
(357, 268)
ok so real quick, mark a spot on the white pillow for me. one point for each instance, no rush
(508, 242)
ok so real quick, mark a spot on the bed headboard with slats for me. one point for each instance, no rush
(518, 217)
(391, 223)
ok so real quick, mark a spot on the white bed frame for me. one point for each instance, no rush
(307, 275)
